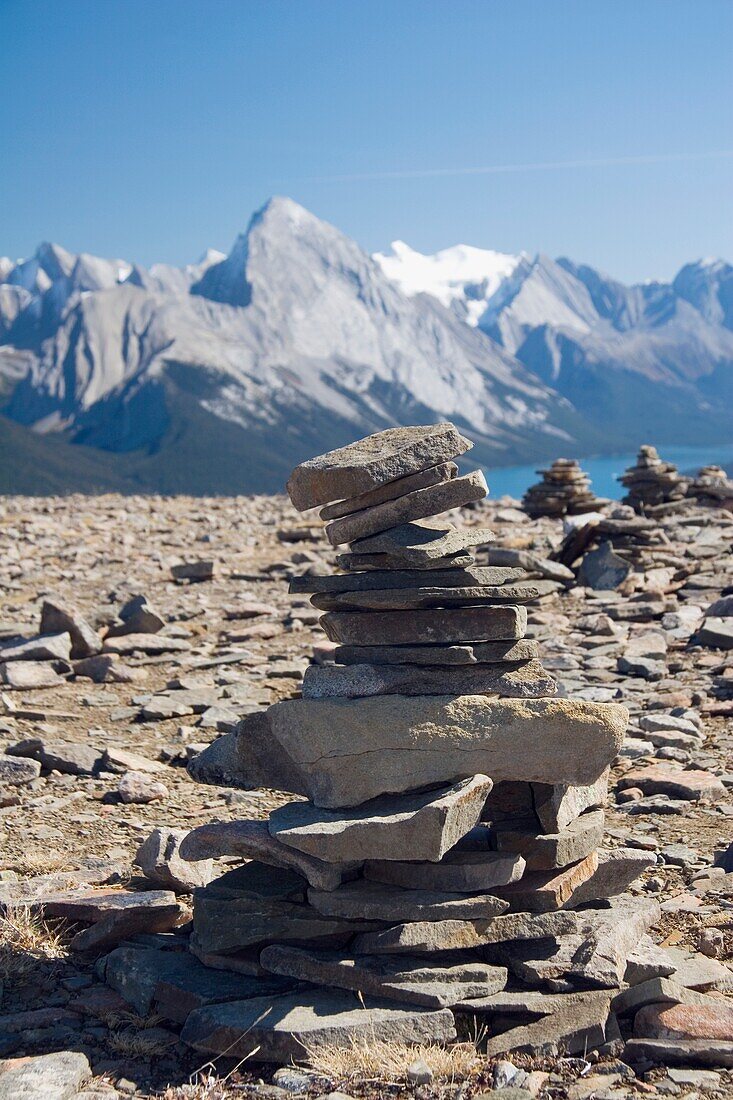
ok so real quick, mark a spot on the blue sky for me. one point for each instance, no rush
(151, 129)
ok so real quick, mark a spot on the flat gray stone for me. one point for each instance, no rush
(433, 475)
(57, 1076)
(257, 904)
(460, 872)
(419, 504)
(547, 891)
(415, 544)
(400, 979)
(67, 757)
(489, 653)
(460, 624)
(373, 461)
(152, 644)
(407, 599)
(280, 1029)
(420, 937)
(380, 579)
(45, 647)
(543, 852)
(658, 991)
(323, 748)
(377, 901)
(382, 562)
(28, 675)
(252, 840)
(716, 633)
(527, 680)
(424, 826)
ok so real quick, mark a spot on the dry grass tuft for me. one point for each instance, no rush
(38, 862)
(207, 1086)
(144, 1043)
(381, 1060)
(26, 941)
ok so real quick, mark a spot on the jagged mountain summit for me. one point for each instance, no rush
(652, 359)
(220, 376)
(294, 341)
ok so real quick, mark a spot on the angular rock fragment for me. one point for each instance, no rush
(577, 1027)
(544, 852)
(546, 891)
(28, 675)
(252, 840)
(46, 647)
(372, 462)
(472, 576)
(415, 545)
(616, 869)
(421, 826)
(160, 861)
(60, 618)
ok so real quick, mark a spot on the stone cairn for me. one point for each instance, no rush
(712, 488)
(653, 484)
(564, 490)
(446, 862)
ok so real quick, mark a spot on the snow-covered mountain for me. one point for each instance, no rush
(221, 375)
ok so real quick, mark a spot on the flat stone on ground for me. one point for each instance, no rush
(57, 1076)
(368, 463)
(419, 826)
(425, 596)
(680, 1052)
(694, 785)
(279, 1029)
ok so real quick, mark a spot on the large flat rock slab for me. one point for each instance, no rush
(400, 979)
(374, 461)
(381, 579)
(376, 901)
(420, 627)
(420, 826)
(348, 751)
(279, 1029)
(527, 680)
(419, 504)
(488, 653)
(432, 475)
(408, 599)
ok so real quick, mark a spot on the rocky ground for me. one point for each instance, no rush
(97, 743)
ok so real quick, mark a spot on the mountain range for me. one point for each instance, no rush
(220, 376)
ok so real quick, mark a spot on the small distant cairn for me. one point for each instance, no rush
(653, 483)
(448, 863)
(564, 490)
(712, 488)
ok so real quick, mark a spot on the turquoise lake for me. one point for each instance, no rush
(604, 469)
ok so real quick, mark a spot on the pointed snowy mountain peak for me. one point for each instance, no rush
(462, 277)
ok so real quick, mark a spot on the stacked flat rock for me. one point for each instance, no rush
(564, 490)
(445, 856)
(652, 482)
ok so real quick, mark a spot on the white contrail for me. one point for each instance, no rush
(539, 166)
